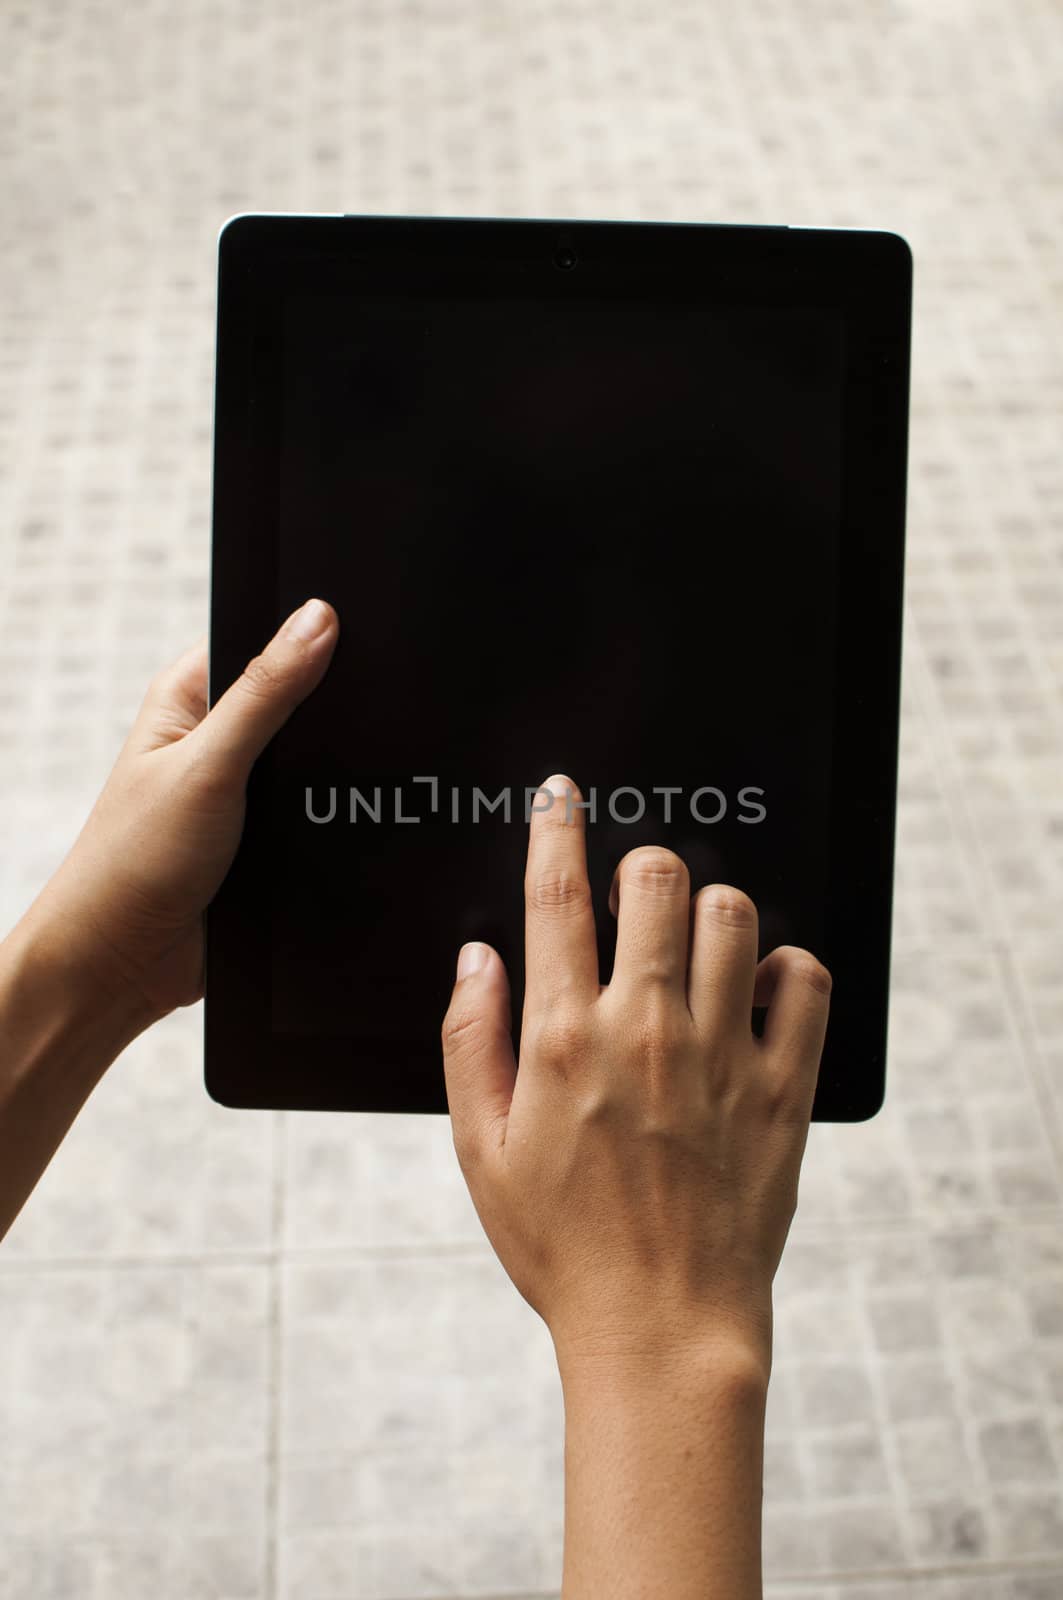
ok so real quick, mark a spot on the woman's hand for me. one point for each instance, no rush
(637, 1179)
(127, 903)
(115, 938)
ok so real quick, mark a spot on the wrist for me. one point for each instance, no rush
(664, 1457)
(735, 1358)
(61, 991)
(58, 1034)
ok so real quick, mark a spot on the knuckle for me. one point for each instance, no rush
(655, 870)
(559, 1038)
(817, 976)
(657, 1070)
(558, 890)
(789, 1100)
(656, 973)
(211, 782)
(599, 1106)
(804, 965)
(722, 903)
(662, 1039)
(462, 1029)
(654, 1027)
(260, 677)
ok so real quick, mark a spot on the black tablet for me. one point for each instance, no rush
(621, 500)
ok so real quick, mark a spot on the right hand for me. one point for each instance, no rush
(637, 1178)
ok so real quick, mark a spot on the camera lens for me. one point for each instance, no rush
(566, 257)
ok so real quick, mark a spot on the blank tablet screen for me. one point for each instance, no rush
(590, 537)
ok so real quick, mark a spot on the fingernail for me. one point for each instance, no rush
(471, 957)
(308, 622)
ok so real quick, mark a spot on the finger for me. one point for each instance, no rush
(723, 959)
(653, 920)
(238, 727)
(561, 948)
(796, 988)
(176, 701)
(765, 981)
(478, 1061)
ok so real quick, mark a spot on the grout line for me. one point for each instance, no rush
(885, 1434)
(1031, 1049)
(1047, 1566)
(949, 774)
(825, 1229)
(798, 1586)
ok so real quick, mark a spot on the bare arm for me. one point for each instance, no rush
(115, 939)
(663, 1475)
(637, 1178)
(58, 1034)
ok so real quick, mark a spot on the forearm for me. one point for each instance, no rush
(58, 1034)
(664, 1477)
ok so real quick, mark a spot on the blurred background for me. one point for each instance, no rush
(253, 1355)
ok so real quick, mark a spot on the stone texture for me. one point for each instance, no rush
(247, 1357)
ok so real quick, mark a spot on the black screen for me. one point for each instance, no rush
(589, 535)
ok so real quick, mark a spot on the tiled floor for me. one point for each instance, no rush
(252, 1356)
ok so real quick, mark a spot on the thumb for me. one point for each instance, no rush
(478, 1059)
(244, 719)
(175, 702)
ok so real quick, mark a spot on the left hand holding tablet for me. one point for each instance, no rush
(128, 900)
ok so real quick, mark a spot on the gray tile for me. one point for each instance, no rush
(847, 1464)
(1031, 1522)
(784, 1475)
(949, 1531)
(370, 1181)
(904, 1323)
(152, 1168)
(1017, 1451)
(918, 1304)
(933, 1455)
(862, 1536)
(331, 1565)
(918, 1388)
(793, 1541)
(422, 1381)
(135, 1404)
(967, 1253)
(999, 1381)
(976, 1319)
(834, 1393)
(1033, 1585)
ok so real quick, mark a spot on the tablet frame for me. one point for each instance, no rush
(867, 274)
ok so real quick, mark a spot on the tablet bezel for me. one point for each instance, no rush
(867, 275)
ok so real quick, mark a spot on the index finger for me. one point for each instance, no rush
(561, 948)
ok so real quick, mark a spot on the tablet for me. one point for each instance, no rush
(623, 500)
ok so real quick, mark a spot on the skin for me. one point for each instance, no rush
(115, 939)
(638, 1178)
